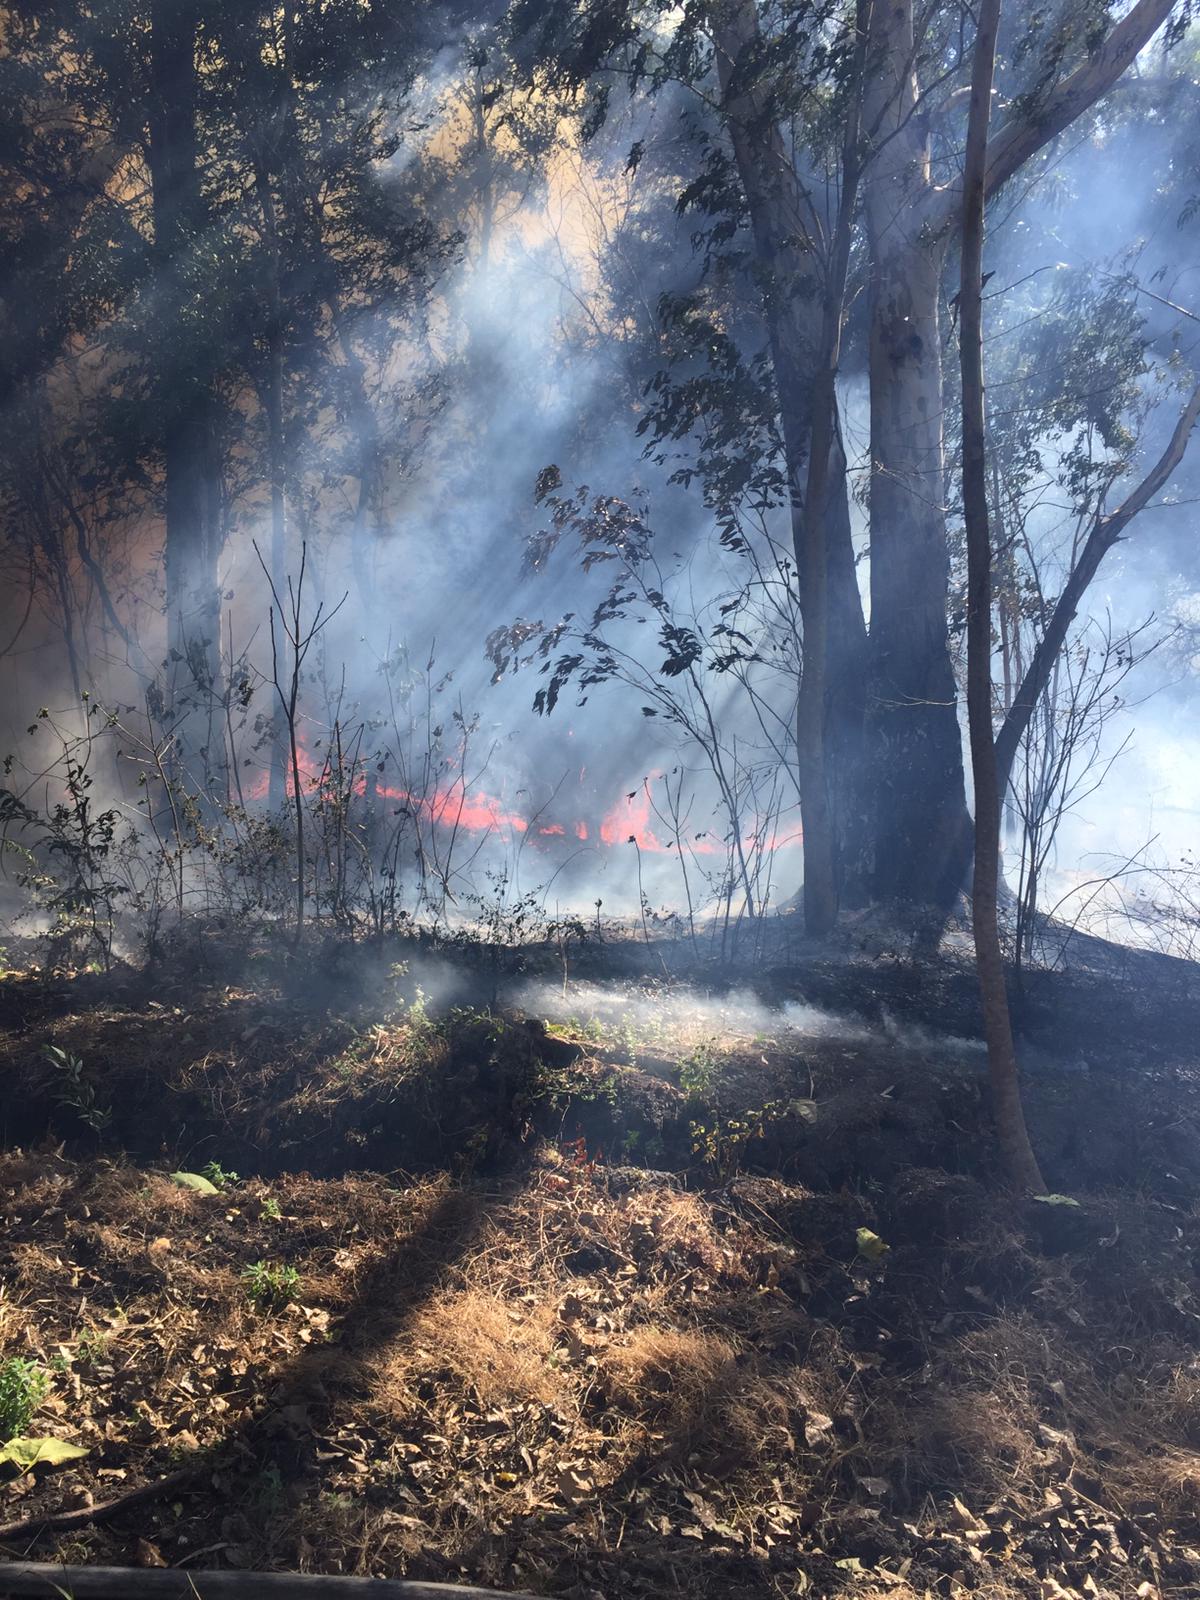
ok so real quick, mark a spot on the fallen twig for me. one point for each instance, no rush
(23, 1578)
(82, 1516)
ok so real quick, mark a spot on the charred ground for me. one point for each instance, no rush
(580, 1300)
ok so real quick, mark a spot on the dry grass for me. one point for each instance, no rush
(587, 1380)
(499, 1351)
(512, 1406)
(673, 1378)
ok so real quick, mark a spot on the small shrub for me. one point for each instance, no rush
(722, 1143)
(23, 1387)
(270, 1288)
(75, 1090)
(91, 1347)
(218, 1177)
(420, 1022)
(698, 1071)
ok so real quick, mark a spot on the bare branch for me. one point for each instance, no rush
(1105, 532)
(1021, 138)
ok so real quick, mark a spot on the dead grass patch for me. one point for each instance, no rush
(669, 1375)
(702, 1397)
(982, 1441)
(609, 1382)
(498, 1350)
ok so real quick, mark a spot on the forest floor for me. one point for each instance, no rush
(557, 1280)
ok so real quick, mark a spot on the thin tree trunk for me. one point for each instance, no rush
(989, 960)
(193, 520)
(66, 601)
(365, 429)
(276, 464)
(850, 781)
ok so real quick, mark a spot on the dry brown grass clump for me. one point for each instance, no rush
(498, 1350)
(673, 1377)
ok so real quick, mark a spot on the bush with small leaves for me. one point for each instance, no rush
(270, 1288)
(218, 1177)
(23, 1387)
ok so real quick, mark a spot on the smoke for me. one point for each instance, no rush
(524, 356)
(525, 362)
(735, 1019)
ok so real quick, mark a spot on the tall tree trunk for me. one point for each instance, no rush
(913, 733)
(820, 872)
(989, 960)
(194, 532)
(846, 660)
(795, 296)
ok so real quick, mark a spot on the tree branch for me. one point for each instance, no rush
(85, 1516)
(1021, 138)
(1105, 532)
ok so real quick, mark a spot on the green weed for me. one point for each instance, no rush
(270, 1288)
(23, 1387)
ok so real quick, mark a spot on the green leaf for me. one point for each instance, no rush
(1056, 1200)
(26, 1453)
(194, 1180)
(870, 1244)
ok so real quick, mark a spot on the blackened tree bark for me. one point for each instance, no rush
(803, 305)
(186, 399)
(989, 960)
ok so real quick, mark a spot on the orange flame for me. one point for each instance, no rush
(628, 821)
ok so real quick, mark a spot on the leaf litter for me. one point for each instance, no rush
(585, 1378)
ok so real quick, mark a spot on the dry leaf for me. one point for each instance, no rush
(149, 1555)
(962, 1517)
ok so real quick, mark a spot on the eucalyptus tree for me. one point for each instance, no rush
(774, 126)
(40, 241)
(220, 179)
(787, 81)
(151, 290)
(913, 197)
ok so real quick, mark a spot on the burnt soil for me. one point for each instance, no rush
(581, 1301)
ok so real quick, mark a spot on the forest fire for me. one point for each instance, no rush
(474, 479)
(454, 805)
